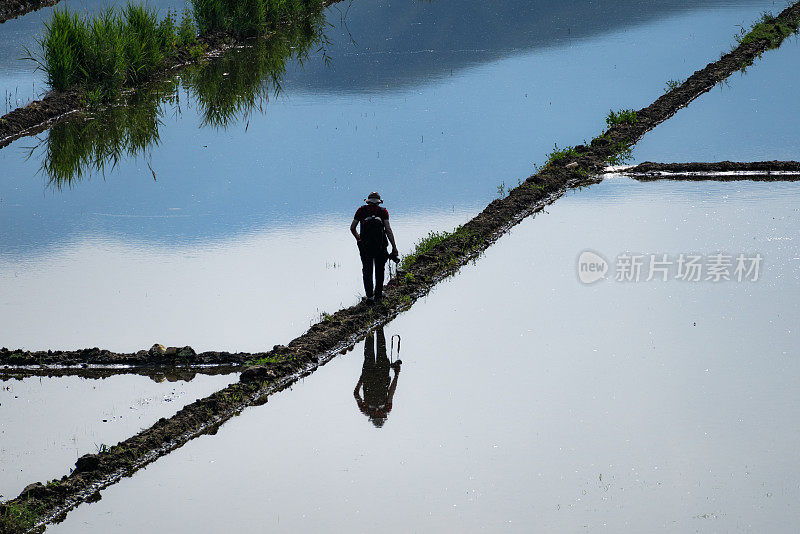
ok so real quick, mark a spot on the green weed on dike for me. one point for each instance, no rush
(463, 240)
(19, 517)
(768, 28)
(623, 116)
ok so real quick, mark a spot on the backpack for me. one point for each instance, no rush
(373, 235)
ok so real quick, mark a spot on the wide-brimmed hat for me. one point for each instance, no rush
(373, 198)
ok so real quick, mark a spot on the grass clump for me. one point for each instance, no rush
(112, 50)
(19, 517)
(768, 28)
(267, 360)
(559, 155)
(108, 51)
(672, 85)
(225, 90)
(621, 153)
(624, 116)
(462, 239)
(425, 245)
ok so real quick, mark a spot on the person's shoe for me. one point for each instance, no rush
(370, 301)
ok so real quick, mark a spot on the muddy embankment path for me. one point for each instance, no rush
(11, 9)
(157, 355)
(283, 365)
(40, 115)
(721, 171)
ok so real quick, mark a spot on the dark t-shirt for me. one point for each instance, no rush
(370, 210)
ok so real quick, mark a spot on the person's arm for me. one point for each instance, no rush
(390, 235)
(356, 394)
(353, 226)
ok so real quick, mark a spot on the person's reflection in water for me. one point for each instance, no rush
(378, 392)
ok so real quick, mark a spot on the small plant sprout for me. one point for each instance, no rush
(671, 85)
(621, 117)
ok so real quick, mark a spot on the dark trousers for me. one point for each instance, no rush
(373, 262)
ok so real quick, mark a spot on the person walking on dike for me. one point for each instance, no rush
(372, 243)
(374, 380)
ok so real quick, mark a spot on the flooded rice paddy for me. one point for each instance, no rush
(48, 423)
(527, 399)
(751, 118)
(224, 230)
(213, 213)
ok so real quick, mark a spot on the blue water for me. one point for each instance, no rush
(48, 423)
(751, 118)
(527, 401)
(241, 239)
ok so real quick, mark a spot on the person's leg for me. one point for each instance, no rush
(366, 270)
(369, 352)
(380, 267)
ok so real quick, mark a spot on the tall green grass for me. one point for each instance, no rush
(225, 90)
(112, 50)
(108, 51)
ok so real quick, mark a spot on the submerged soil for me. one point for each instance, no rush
(11, 9)
(719, 171)
(285, 364)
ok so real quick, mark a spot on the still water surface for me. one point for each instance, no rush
(529, 401)
(752, 118)
(235, 237)
(48, 423)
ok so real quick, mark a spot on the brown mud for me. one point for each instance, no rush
(765, 171)
(285, 364)
(11, 9)
(157, 355)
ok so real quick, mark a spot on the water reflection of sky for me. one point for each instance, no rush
(48, 423)
(426, 147)
(526, 398)
(752, 118)
(390, 44)
(437, 149)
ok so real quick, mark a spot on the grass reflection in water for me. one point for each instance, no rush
(226, 90)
